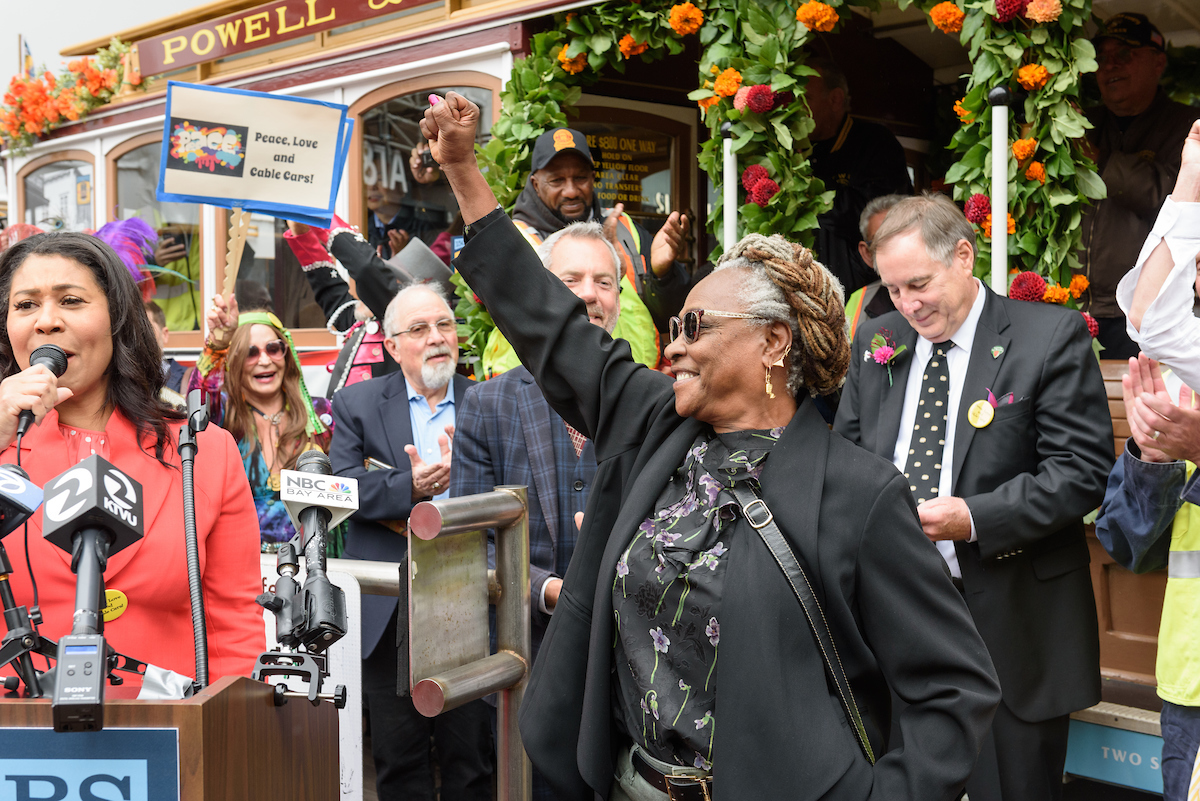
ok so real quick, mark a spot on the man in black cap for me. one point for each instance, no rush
(561, 190)
(1136, 141)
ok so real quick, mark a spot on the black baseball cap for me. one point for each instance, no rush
(559, 140)
(1135, 30)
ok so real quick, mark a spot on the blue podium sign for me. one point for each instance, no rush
(126, 764)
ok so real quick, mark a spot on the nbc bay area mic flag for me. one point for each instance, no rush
(256, 151)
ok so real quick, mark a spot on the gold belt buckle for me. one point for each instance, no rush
(682, 782)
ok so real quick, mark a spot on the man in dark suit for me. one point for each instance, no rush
(406, 419)
(995, 411)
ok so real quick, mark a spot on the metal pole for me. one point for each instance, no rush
(1000, 98)
(430, 519)
(514, 777)
(729, 183)
(375, 578)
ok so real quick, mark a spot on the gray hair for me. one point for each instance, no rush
(875, 206)
(393, 308)
(784, 284)
(585, 231)
(941, 223)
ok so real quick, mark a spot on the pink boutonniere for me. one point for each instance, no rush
(884, 351)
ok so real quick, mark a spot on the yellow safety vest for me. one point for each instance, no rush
(1178, 663)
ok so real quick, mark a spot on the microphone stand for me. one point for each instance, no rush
(197, 421)
(22, 638)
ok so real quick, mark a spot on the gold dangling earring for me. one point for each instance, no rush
(777, 363)
(770, 393)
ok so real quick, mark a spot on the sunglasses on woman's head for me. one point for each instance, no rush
(275, 349)
(689, 326)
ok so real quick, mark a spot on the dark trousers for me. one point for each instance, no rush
(1181, 735)
(1115, 339)
(401, 738)
(1020, 761)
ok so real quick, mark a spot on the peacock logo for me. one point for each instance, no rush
(340, 488)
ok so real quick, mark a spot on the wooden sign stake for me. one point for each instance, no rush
(239, 223)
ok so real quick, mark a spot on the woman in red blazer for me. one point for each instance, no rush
(73, 291)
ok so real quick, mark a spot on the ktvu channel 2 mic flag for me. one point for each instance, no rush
(272, 154)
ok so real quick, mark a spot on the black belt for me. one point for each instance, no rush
(677, 788)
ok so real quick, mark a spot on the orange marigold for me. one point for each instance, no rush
(1024, 148)
(817, 16)
(728, 83)
(630, 47)
(1043, 11)
(964, 114)
(947, 17)
(1036, 171)
(1079, 285)
(986, 228)
(1033, 76)
(708, 103)
(572, 65)
(686, 18)
(1056, 294)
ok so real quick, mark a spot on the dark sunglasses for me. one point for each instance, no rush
(689, 326)
(275, 349)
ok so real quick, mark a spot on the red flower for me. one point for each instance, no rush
(763, 191)
(1093, 326)
(1027, 286)
(977, 207)
(752, 175)
(784, 98)
(760, 99)
(1008, 10)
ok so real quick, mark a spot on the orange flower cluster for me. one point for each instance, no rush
(947, 17)
(1033, 76)
(686, 19)
(1056, 294)
(1036, 171)
(572, 65)
(1079, 285)
(1043, 11)
(33, 105)
(964, 114)
(728, 83)
(1024, 148)
(708, 103)
(630, 47)
(91, 78)
(986, 228)
(817, 16)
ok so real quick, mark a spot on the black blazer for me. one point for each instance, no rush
(849, 516)
(1028, 478)
(371, 420)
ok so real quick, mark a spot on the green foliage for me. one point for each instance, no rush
(1047, 216)
(1181, 81)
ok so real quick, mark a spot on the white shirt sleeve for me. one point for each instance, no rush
(1170, 333)
(542, 598)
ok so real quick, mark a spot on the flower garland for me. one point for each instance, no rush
(1038, 49)
(35, 106)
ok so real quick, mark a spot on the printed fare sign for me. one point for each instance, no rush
(277, 155)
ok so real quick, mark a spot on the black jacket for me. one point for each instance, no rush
(895, 617)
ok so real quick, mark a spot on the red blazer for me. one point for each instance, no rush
(156, 627)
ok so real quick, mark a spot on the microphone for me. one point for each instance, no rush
(92, 511)
(316, 500)
(19, 498)
(53, 358)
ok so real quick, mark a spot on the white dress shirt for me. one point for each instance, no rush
(1170, 332)
(957, 360)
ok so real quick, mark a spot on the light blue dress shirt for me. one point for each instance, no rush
(428, 425)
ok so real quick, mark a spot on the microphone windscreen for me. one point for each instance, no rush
(314, 461)
(52, 356)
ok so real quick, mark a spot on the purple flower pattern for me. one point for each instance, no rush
(668, 583)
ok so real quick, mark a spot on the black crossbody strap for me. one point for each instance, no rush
(758, 515)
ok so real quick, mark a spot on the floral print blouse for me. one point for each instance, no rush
(666, 598)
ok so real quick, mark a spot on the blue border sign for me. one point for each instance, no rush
(1116, 756)
(130, 764)
(256, 151)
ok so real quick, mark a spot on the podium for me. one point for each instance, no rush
(233, 743)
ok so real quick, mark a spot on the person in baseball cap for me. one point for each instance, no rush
(1135, 30)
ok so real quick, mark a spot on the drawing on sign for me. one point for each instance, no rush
(198, 146)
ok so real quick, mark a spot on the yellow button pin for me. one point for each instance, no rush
(115, 604)
(980, 413)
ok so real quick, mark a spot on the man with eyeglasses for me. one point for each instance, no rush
(1136, 142)
(393, 434)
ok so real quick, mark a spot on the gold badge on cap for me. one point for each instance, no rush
(980, 413)
(563, 139)
(115, 604)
